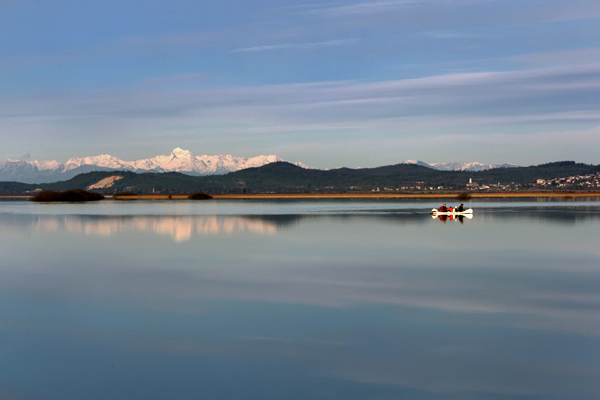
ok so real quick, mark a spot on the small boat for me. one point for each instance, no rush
(436, 212)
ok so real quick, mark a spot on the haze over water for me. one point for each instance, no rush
(299, 300)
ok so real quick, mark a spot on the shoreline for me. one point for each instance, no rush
(416, 196)
(313, 196)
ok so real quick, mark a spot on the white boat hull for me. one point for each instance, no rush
(465, 212)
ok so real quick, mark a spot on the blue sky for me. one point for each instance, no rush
(329, 83)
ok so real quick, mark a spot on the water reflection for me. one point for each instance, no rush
(179, 228)
(184, 227)
(381, 305)
(329, 260)
(455, 218)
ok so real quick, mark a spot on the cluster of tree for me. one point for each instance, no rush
(72, 195)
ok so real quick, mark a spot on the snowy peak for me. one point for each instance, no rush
(417, 162)
(185, 156)
(470, 166)
(180, 153)
(460, 166)
(179, 160)
(103, 160)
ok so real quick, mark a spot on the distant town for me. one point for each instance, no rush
(576, 183)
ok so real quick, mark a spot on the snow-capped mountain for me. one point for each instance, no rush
(417, 162)
(460, 166)
(472, 166)
(179, 160)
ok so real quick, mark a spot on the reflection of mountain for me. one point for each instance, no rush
(399, 258)
(180, 228)
(184, 227)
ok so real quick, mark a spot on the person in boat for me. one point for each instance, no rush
(461, 208)
(443, 208)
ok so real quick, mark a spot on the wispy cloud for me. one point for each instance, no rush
(365, 8)
(559, 138)
(517, 103)
(488, 94)
(449, 35)
(582, 56)
(176, 78)
(516, 93)
(373, 7)
(493, 11)
(175, 39)
(558, 10)
(302, 46)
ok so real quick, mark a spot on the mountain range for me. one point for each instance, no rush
(283, 177)
(460, 166)
(179, 160)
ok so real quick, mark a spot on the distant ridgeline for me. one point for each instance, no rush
(283, 177)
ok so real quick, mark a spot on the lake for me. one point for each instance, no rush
(314, 299)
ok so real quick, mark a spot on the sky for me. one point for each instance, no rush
(330, 83)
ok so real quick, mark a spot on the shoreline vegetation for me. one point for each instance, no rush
(367, 195)
(70, 196)
(199, 196)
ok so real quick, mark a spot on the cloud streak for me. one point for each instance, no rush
(177, 78)
(366, 7)
(552, 10)
(301, 46)
(521, 102)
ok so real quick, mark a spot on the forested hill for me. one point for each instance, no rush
(286, 177)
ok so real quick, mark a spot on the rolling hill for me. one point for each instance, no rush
(284, 177)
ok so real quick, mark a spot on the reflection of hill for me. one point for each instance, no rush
(180, 228)
(183, 228)
(279, 221)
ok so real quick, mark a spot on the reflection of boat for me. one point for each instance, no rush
(459, 217)
(466, 212)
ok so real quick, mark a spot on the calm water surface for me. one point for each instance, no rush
(299, 300)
